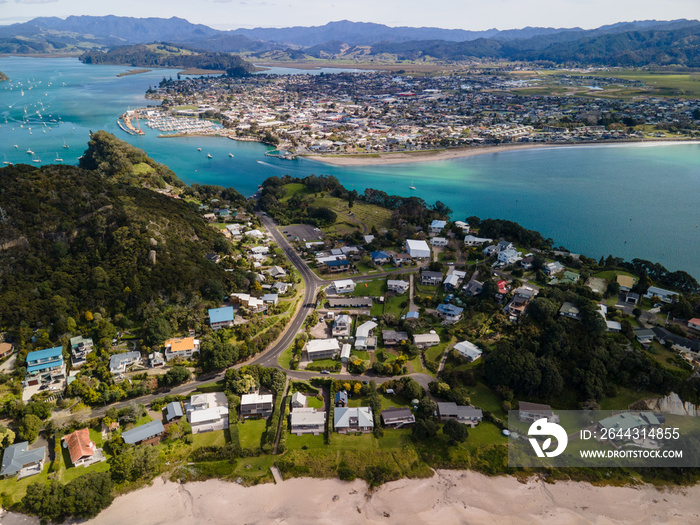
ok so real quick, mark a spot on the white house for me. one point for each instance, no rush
(462, 226)
(553, 268)
(182, 347)
(438, 241)
(471, 240)
(468, 350)
(345, 353)
(363, 338)
(437, 226)
(118, 363)
(322, 348)
(256, 405)
(508, 256)
(307, 421)
(341, 326)
(397, 286)
(417, 249)
(344, 286)
(666, 296)
(207, 412)
(254, 234)
(426, 340)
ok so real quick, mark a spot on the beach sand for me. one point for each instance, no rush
(449, 497)
(458, 153)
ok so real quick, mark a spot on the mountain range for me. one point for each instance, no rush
(636, 43)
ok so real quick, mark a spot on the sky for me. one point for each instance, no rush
(453, 14)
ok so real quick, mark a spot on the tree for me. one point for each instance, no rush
(87, 495)
(28, 428)
(157, 329)
(175, 376)
(7, 437)
(424, 429)
(456, 431)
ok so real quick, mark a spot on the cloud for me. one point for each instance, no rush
(35, 1)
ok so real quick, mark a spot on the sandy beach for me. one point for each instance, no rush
(382, 159)
(446, 498)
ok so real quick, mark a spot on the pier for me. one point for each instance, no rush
(280, 154)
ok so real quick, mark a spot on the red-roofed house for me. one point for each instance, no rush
(81, 449)
(502, 287)
(694, 324)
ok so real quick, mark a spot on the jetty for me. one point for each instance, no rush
(280, 154)
(128, 125)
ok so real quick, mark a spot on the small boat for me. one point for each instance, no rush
(16, 146)
(230, 154)
(7, 163)
(209, 155)
(30, 152)
(199, 149)
(36, 160)
(58, 159)
(411, 187)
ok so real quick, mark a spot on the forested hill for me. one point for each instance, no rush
(3, 76)
(94, 244)
(166, 55)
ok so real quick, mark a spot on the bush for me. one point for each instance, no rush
(345, 473)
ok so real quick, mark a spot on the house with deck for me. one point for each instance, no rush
(466, 415)
(364, 340)
(449, 313)
(398, 417)
(146, 434)
(322, 348)
(342, 325)
(119, 363)
(182, 347)
(428, 278)
(81, 449)
(353, 419)
(533, 411)
(221, 317)
(397, 286)
(256, 405)
(208, 412)
(344, 286)
(80, 348)
(18, 460)
(45, 366)
(426, 340)
(307, 421)
(468, 350)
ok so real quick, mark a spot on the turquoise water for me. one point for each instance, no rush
(627, 200)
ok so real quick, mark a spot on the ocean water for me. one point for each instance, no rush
(639, 200)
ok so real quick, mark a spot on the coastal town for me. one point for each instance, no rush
(374, 112)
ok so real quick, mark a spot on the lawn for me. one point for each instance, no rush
(291, 190)
(393, 305)
(486, 399)
(387, 401)
(17, 489)
(610, 275)
(417, 366)
(217, 438)
(314, 402)
(624, 398)
(667, 358)
(361, 213)
(434, 353)
(373, 288)
(285, 358)
(250, 432)
(361, 354)
(484, 434)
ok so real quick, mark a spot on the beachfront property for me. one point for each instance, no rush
(18, 460)
(118, 363)
(417, 249)
(569, 310)
(437, 226)
(462, 226)
(665, 296)
(397, 286)
(438, 241)
(363, 336)
(342, 326)
(181, 347)
(322, 348)
(344, 286)
(626, 283)
(468, 350)
(353, 419)
(426, 340)
(173, 411)
(256, 405)
(45, 366)
(619, 424)
(466, 415)
(398, 417)
(553, 268)
(428, 278)
(533, 411)
(449, 313)
(81, 449)
(350, 302)
(298, 400)
(208, 412)
(508, 256)
(146, 434)
(221, 317)
(471, 240)
(307, 421)
(80, 348)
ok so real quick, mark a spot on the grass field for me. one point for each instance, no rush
(393, 305)
(373, 288)
(250, 432)
(624, 398)
(285, 358)
(387, 401)
(434, 353)
(216, 438)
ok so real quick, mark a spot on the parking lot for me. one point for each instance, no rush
(303, 232)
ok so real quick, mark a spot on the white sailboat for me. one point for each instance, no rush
(230, 154)
(209, 155)
(58, 159)
(411, 187)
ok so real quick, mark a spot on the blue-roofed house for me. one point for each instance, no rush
(413, 315)
(150, 433)
(437, 226)
(341, 398)
(221, 317)
(338, 266)
(380, 257)
(44, 366)
(449, 312)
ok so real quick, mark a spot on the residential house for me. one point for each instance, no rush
(428, 278)
(173, 411)
(417, 249)
(6, 349)
(470, 240)
(270, 298)
(644, 335)
(146, 434)
(156, 359)
(81, 448)
(397, 286)
(221, 317)
(344, 286)
(626, 283)
(182, 347)
(509, 256)
(534, 411)
(570, 310)
(338, 266)
(451, 282)
(677, 342)
(254, 234)
(694, 323)
(368, 239)
(350, 302)
(462, 226)
(345, 353)
(466, 415)
(438, 241)
(353, 419)
(341, 398)
(80, 348)
(631, 298)
(449, 313)
(437, 226)
(527, 262)
(280, 288)
(473, 288)
(400, 259)
(208, 412)
(468, 350)
(553, 268)
(504, 245)
(398, 417)
(666, 296)
(118, 363)
(298, 400)
(521, 298)
(277, 272)
(426, 340)
(613, 326)
(307, 421)
(45, 366)
(256, 405)
(412, 316)
(363, 336)
(253, 304)
(380, 257)
(322, 349)
(18, 459)
(393, 338)
(620, 424)
(502, 287)
(342, 326)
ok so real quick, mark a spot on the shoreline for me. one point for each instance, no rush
(382, 159)
(450, 496)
